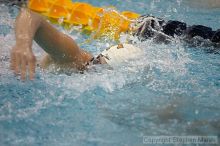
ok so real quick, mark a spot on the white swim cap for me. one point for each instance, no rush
(121, 53)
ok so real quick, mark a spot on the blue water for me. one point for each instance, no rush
(171, 90)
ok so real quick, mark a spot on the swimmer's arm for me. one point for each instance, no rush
(60, 47)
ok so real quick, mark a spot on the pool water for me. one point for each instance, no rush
(172, 89)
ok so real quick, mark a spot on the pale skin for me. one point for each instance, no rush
(60, 48)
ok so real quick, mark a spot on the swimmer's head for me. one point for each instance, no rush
(120, 53)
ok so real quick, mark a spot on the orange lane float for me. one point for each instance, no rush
(38, 5)
(81, 14)
(103, 21)
(58, 8)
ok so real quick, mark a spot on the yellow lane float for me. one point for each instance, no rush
(102, 21)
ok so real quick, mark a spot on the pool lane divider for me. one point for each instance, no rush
(106, 21)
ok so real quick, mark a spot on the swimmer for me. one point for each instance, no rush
(146, 27)
(63, 51)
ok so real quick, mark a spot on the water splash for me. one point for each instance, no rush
(170, 89)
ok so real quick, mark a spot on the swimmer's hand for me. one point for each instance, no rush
(23, 61)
